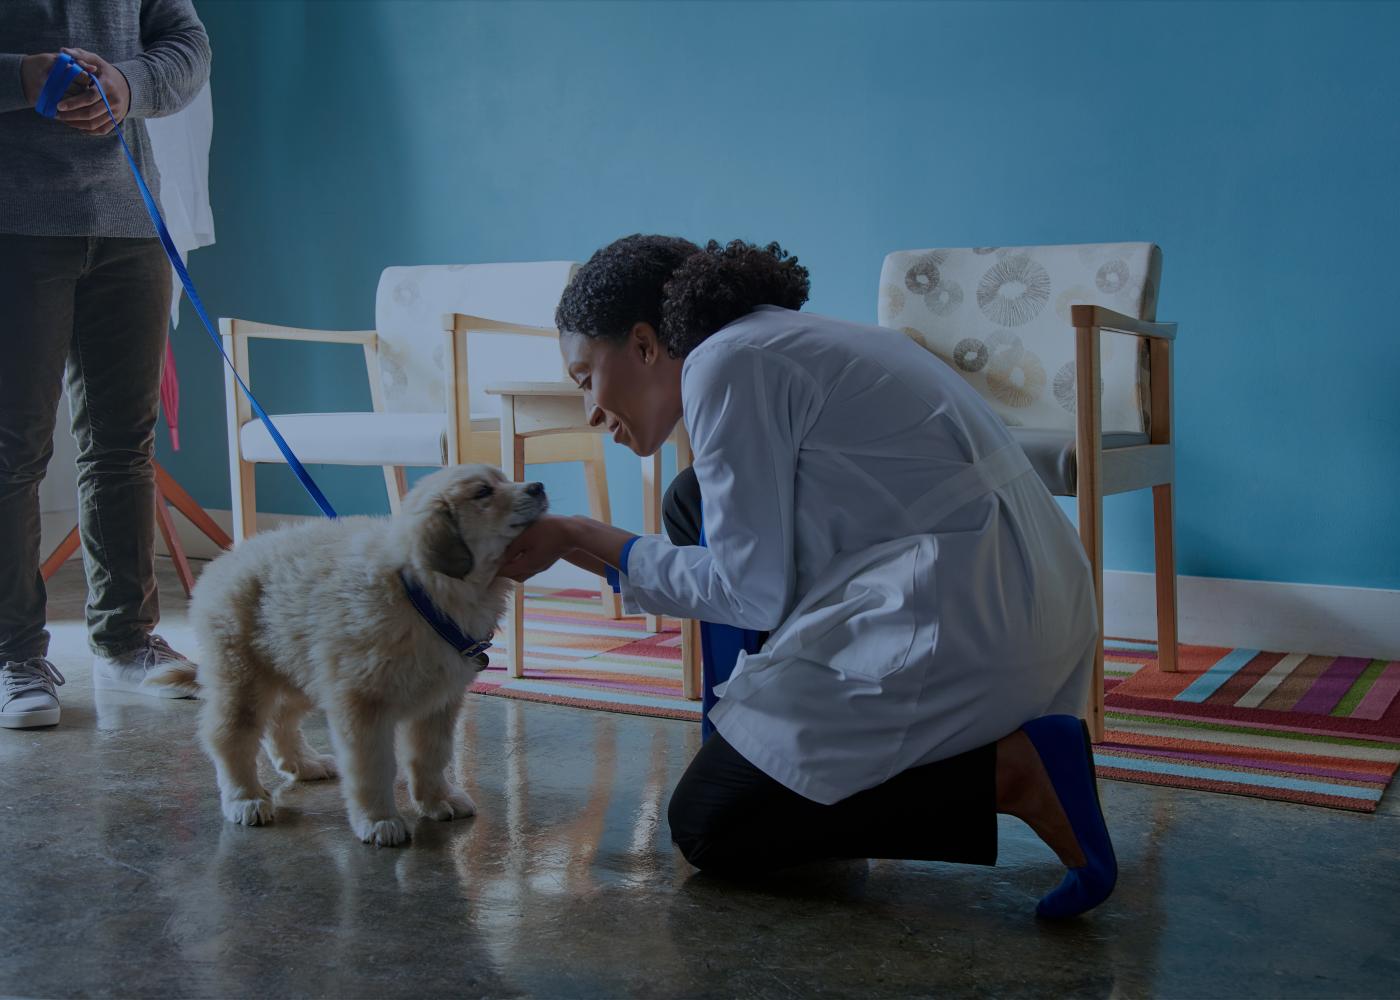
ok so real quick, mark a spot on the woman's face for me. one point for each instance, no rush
(632, 387)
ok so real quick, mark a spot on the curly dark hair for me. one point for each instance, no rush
(685, 292)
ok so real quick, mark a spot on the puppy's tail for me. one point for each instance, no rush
(181, 676)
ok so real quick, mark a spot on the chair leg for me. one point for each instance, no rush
(1163, 523)
(513, 455)
(395, 485)
(173, 546)
(651, 513)
(1091, 534)
(237, 412)
(61, 554)
(245, 500)
(691, 682)
(600, 509)
(178, 498)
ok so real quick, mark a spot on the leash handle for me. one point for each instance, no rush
(64, 71)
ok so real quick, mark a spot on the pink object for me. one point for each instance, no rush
(170, 396)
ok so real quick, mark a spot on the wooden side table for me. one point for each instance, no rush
(534, 409)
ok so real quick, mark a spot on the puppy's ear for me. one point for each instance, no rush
(446, 552)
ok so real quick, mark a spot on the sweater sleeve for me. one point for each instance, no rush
(747, 411)
(175, 61)
(11, 85)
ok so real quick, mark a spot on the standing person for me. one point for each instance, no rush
(86, 293)
(930, 611)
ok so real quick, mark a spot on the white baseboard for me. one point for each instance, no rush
(1253, 614)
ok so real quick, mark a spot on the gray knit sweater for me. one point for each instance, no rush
(56, 181)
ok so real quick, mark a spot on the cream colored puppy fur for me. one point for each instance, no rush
(316, 615)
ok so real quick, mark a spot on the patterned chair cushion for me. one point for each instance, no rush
(1000, 316)
(408, 314)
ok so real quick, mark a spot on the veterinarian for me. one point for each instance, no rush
(86, 289)
(929, 611)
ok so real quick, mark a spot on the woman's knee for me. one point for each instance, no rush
(709, 835)
(700, 839)
(680, 510)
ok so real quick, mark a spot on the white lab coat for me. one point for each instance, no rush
(924, 593)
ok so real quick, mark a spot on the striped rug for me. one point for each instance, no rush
(575, 656)
(1319, 730)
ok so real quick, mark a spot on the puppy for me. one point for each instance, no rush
(317, 615)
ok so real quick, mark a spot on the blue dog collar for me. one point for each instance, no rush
(469, 648)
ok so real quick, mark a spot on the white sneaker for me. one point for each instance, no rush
(27, 697)
(154, 669)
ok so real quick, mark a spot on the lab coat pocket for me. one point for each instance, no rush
(860, 616)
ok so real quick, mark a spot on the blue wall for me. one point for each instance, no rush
(1257, 143)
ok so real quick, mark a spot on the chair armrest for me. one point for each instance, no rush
(1089, 322)
(533, 389)
(463, 323)
(237, 332)
(1107, 319)
(457, 327)
(271, 331)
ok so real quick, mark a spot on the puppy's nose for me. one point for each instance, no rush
(535, 489)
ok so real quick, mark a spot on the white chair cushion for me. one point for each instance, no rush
(412, 439)
(1000, 317)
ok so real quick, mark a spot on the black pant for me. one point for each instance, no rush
(99, 307)
(730, 818)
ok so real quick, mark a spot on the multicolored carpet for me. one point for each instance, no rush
(1320, 730)
(575, 656)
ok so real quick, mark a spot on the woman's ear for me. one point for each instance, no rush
(645, 343)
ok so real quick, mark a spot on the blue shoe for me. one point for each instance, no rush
(1063, 744)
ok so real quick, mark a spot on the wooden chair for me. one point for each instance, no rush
(427, 389)
(534, 410)
(1063, 342)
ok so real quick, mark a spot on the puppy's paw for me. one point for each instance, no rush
(389, 832)
(313, 767)
(453, 804)
(248, 812)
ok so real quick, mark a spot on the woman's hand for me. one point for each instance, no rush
(85, 111)
(537, 548)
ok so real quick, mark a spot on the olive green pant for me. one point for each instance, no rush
(92, 311)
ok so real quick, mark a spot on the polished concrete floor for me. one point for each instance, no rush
(120, 878)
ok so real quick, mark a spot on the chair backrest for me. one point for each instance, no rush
(408, 314)
(1000, 316)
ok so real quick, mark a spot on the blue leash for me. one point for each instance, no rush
(65, 71)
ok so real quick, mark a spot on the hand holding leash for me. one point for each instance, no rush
(84, 109)
(34, 72)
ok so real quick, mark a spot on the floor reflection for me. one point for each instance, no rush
(122, 878)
